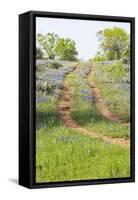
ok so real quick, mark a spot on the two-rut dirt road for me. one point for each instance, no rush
(64, 109)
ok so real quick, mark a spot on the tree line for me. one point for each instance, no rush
(52, 46)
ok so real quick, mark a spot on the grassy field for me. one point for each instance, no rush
(63, 154)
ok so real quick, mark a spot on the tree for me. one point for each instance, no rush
(39, 53)
(126, 53)
(113, 42)
(66, 49)
(48, 43)
(55, 46)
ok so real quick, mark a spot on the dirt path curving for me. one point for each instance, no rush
(64, 109)
(100, 102)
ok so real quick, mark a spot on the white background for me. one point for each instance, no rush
(9, 10)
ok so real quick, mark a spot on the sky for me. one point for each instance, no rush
(83, 32)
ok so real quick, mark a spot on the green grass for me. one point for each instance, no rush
(63, 154)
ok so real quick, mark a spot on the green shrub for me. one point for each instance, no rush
(39, 53)
(54, 65)
(44, 88)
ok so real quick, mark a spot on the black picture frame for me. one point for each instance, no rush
(27, 98)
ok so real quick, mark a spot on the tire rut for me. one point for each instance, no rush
(100, 102)
(64, 110)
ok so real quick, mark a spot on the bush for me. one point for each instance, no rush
(116, 71)
(44, 88)
(39, 53)
(98, 59)
(54, 65)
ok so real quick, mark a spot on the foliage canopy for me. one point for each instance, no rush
(114, 43)
(53, 45)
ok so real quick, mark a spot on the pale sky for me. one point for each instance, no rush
(83, 32)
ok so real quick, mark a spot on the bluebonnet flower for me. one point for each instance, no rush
(89, 98)
(85, 91)
(42, 99)
(53, 78)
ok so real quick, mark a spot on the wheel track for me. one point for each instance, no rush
(100, 102)
(64, 110)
